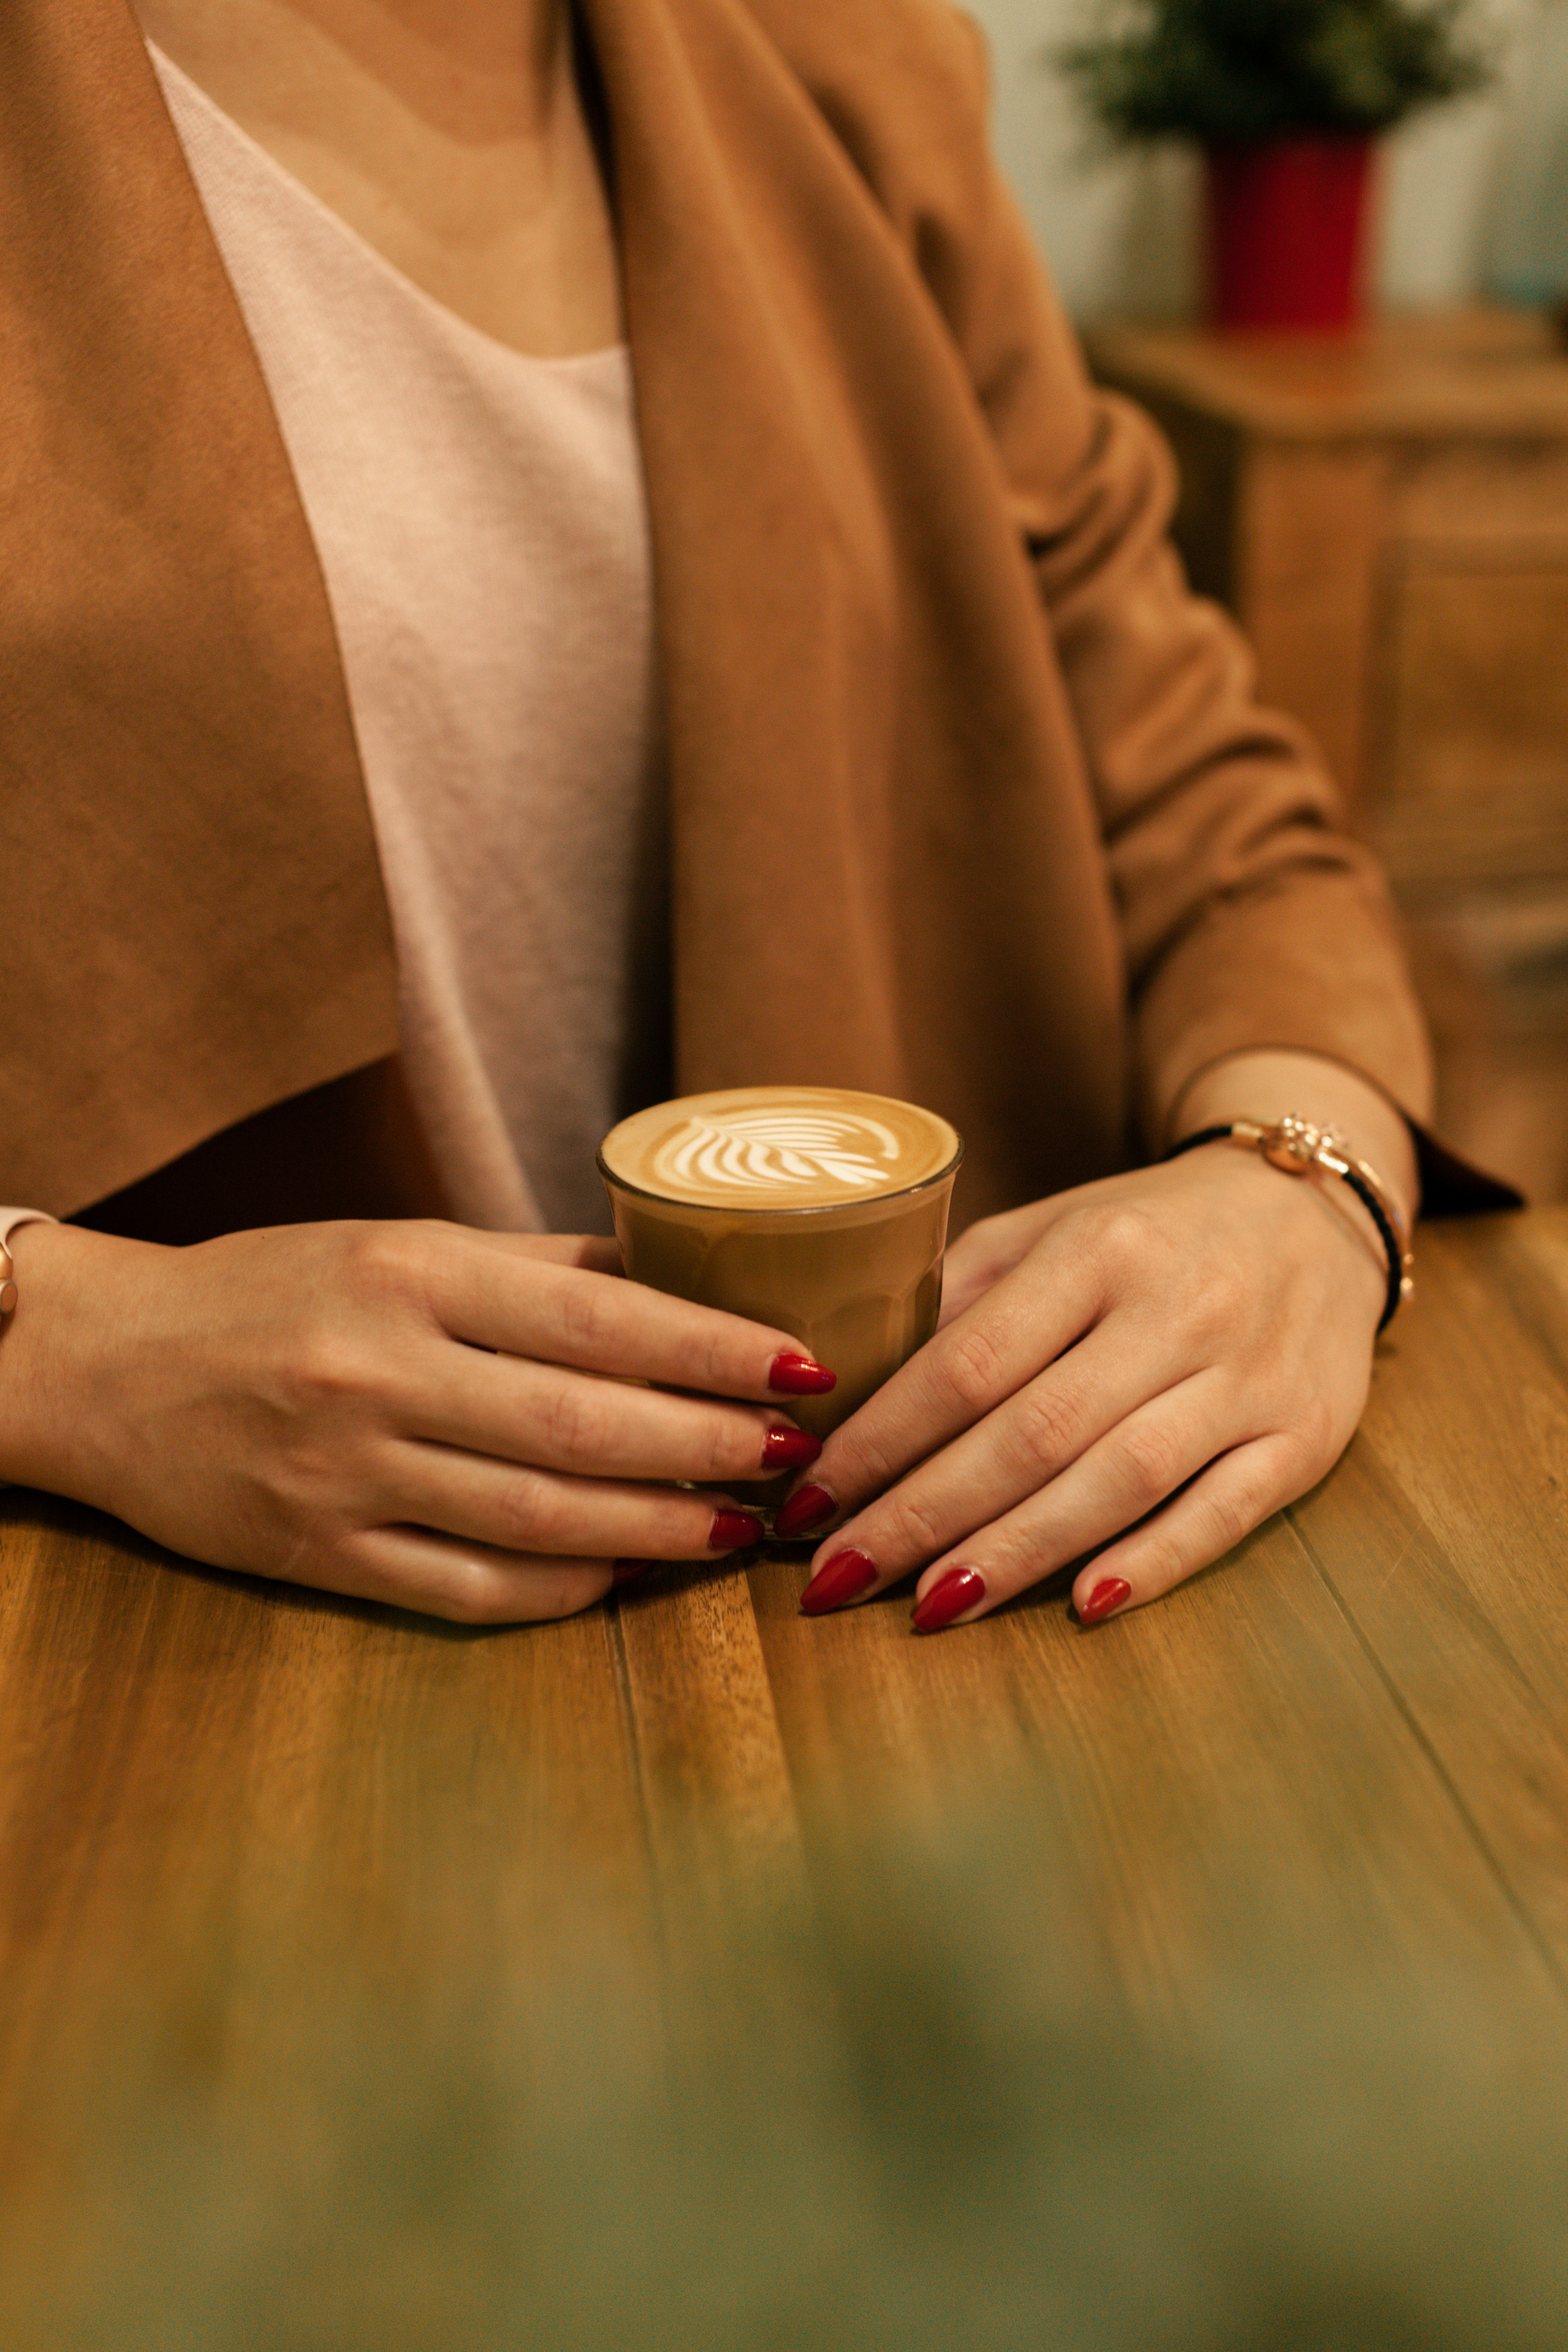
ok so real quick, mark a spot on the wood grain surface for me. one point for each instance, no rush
(1357, 1725)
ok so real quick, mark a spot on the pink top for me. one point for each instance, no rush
(481, 525)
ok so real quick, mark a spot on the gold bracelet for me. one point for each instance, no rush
(1296, 1145)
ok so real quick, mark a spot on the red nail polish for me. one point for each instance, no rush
(949, 1596)
(807, 1508)
(846, 1574)
(1103, 1600)
(789, 1449)
(798, 1376)
(732, 1530)
(625, 1570)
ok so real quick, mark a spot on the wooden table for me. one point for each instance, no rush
(1360, 1719)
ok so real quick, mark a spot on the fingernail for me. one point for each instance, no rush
(798, 1376)
(625, 1570)
(838, 1581)
(789, 1449)
(949, 1596)
(732, 1530)
(807, 1508)
(1103, 1601)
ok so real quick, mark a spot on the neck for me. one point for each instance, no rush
(487, 69)
(484, 71)
(448, 133)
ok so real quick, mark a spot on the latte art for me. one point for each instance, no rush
(779, 1147)
(769, 1150)
(808, 1210)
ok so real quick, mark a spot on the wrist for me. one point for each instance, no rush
(53, 1346)
(1296, 1149)
(1270, 1086)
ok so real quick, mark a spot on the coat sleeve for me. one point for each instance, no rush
(1250, 918)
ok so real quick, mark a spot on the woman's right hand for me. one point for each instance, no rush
(414, 1413)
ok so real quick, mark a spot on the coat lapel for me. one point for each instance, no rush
(775, 627)
(887, 873)
(199, 929)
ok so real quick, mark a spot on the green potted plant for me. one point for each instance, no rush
(1286, 99)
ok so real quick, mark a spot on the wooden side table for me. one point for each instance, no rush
(1387, 515)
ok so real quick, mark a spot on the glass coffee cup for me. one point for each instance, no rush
(814, 1210)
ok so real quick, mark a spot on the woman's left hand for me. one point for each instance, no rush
(1142, 1370)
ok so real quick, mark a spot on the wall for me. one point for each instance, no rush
(1474, 197)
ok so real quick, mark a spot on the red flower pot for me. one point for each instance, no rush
(1287, 221)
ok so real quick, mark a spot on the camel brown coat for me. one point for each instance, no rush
(969, 799)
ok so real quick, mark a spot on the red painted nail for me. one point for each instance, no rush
(807, 1508)
(789, 1449)
(949, 1596)
(798, 1376)
(1105, 1598)
(732, 1530)
(625, 1570)
(845, 1575)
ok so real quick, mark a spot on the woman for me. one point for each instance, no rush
(962, 799)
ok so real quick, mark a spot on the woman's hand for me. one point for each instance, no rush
(1142, 1370)
(415, 1413)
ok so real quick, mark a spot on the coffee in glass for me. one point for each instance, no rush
(817, 1211)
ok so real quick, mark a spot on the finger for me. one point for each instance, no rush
(558, 1419)
(1203, 1523)
(466, 1583)
(980, 1258)
(965, 1372)
(598, 1323)
(1123, 1477)
(520, 1509)
(591, 1251)
(973, 1265)
(595, 1256)
(1005, 1458)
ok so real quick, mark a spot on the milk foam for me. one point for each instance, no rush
(779, 1146)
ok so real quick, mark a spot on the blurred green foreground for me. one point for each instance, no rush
(911, 2115)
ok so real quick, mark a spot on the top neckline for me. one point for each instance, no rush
(610, 359)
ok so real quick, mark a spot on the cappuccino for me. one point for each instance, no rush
(818, 1212)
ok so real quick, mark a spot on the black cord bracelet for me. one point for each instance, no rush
(1295, 1146)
